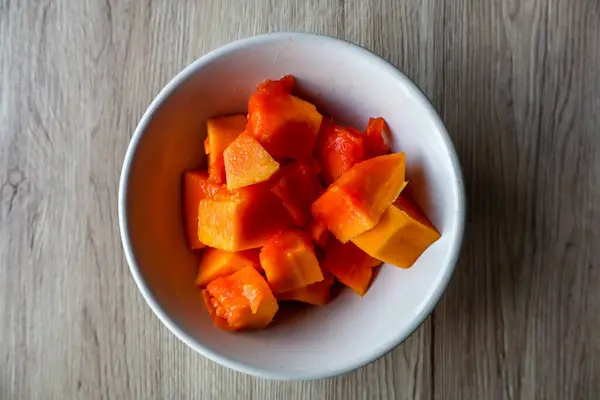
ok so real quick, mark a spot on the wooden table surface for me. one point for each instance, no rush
(518, 85)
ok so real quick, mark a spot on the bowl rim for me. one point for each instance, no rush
(154, 304)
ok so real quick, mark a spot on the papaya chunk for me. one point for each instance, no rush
(350, 265)
(294, 207)
(317, 232)
(285, 125)
(247, 163)
(221, 131)
(357, 200)
(318, 293)
(242, 300)
(297, 186)
(401, 236)
(216, 263)
(338, 149)
(280, 86)
(196, 186)
(243, 219)
(375, 144)
(301, 177)
(289, 262)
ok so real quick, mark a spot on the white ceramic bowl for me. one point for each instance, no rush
(346, 82)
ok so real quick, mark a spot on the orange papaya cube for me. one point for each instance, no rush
(216, 263)
(317, 232)
(221, 131)
(338, 149)
(350, 265)
(302, 180)
(196, 186)
(266, 217)
(289, 262)
(401, 236)
(242, 300)
(244, 219)
(375, 142)
(357, 200)
(318, 293)
(296, 210)
(297, 186)
(247, 163)
(283, 85)
(219, 222)
(285, 125)
(313, 164)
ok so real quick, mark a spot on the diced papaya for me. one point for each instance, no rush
(219, 223)
(338, 149)
(289, 262)
(375, 144)
(196, 186)
(357, 200)
(244, 219)
(317, 232)
(221, 131)
(242, 300)
(216, 263)
(401, 236)
(285, 125)
(211, 307)
(293, 205)
(301, 177)
(350, 265)
(283, 85)
(247, 163)
(297, 187)
(318, 293)
(314, 165)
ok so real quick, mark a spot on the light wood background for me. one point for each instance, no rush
(518, 84)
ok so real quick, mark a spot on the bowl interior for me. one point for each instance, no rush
(350, 85)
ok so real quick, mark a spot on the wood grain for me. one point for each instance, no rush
(516, 82)
(519, 93)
